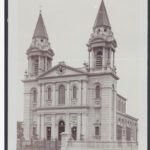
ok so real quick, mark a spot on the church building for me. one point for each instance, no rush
(82, 102)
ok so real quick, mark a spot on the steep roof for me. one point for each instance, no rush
(102, 17)
(40, 30)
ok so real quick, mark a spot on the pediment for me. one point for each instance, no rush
(61, 70)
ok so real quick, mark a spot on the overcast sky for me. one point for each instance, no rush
(69, 25)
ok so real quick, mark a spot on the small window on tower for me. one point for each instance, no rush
(99, 59)
(105, 30)
(49, 93)
(97, 131)
(41, 40)
(36, 63)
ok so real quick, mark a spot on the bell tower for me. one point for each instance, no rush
(102, 44)
(39, 54)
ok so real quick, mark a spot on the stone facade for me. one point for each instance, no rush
(83, 102)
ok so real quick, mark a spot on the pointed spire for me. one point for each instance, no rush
(40, 30)
(102, 17)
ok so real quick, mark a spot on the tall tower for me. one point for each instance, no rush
(101, 48)
(102, 43)
(39, 54)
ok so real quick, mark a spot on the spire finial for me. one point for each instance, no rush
(40, 8)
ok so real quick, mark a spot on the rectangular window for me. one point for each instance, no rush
(96, 131)
(49, 93)
(48, 133)
(119, 132)
(34, 131)
(128, 134)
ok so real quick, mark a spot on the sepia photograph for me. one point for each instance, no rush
(77, 75)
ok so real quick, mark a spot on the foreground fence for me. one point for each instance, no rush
(91, 145)
(75, 145)
(38, 145)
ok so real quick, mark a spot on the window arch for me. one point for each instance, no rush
(61, 95)
(74, 92)
(49, 93)
(97, 91)
(34, 95)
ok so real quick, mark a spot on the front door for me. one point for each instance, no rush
(48, 133)
(61, 128)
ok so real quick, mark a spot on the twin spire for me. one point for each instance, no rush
(102, 17)
(101, 20)
(40, 30)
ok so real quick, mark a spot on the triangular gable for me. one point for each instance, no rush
(61, 70)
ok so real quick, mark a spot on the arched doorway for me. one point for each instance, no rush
(74, 132)
(61, 128)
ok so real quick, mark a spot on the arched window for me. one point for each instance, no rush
(34, 95)
(99, 59)
(61, 94)
(49, 93)
(97, 91)
(74, 92)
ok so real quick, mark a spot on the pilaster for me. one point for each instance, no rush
(67, 94)
(42, 127)
(79, 127)
(27, 115)
(103, 62)
(84, 92)
(38, 126)
(53, 127)
(45, 63)
(42, 95)
(54, 95)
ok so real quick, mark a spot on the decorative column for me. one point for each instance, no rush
(84, 126)
(39, 66)
(38, 126)
(27, 115)
(53, 95)
(42, 127)
(103, 62)
(46, 64)
(92, 59)
(67, 94)
(115, 110)
(38, 96)
(56, 94)
(84, 93)
(53, 127)
(79, 127)
(113, 59)
(42, 95)
(79, 94)
(67, 128)
(29, 65)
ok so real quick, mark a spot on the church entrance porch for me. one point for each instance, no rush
(61, 128)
